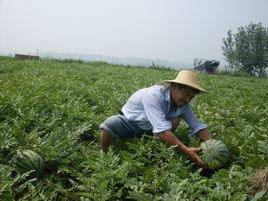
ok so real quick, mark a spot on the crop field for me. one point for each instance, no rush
(55, 107)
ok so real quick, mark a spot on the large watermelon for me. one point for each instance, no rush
(214, 153)
(28, 160)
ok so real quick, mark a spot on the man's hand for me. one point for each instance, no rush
(171, 139)
(192, 153)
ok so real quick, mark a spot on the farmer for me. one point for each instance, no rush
(158, 110)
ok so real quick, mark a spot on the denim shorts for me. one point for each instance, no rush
(119, 126)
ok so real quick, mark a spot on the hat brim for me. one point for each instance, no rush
(200, 89)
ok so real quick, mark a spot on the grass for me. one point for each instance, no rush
(55, 108)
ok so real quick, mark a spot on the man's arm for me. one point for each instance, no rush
(171, 139)
(204, 135)
(190, 118)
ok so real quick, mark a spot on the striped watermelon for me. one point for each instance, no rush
(214, 153)
(28, 160)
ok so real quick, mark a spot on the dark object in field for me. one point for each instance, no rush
(207, 172)
(87, 137)
(51, 166)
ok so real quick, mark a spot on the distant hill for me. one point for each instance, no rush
(134, 61)
(117, 60)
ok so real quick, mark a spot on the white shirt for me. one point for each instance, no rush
(149, 108)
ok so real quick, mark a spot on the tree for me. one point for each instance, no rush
(247, 50)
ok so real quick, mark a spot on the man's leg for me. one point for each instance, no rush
(117, 127)
(106, 140)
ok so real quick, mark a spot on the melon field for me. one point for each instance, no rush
(54, 108)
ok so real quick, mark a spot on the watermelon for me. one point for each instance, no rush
(28, 160)
(214, 153)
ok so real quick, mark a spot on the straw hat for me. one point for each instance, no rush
(188, 78)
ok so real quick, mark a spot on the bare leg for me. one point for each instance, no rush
(106, 140)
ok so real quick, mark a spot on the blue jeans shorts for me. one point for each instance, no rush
(119, 126)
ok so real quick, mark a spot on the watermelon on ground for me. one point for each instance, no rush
(215, 154)
(27, 160)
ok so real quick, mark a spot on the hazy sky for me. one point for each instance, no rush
(167, 29)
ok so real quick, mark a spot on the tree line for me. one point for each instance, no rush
(247, 50)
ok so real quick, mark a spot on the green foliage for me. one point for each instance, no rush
(247, 50)
(263, 148)
(55, 109)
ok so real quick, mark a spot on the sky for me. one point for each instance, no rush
(174, 30)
